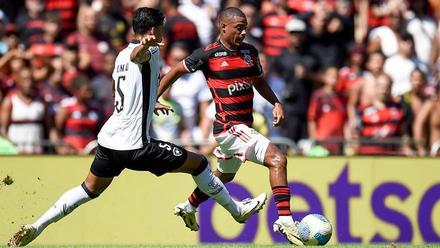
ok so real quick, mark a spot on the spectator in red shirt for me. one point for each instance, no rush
(50, 89)
(381, 10)
(90, 45)
(327, 114)
(349, 75)
(383, 127)
(50, 42)
(29, 22)
(67, 10)
(275, 37)
(78, 119)
(70, 59)
(178, 28)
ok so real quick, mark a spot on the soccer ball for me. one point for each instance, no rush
(315, 229)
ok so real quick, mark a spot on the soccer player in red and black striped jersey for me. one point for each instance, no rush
(232, 70)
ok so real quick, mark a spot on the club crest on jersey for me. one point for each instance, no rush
(220, 54)
(248, 60)
(177, 152)
(239, 86)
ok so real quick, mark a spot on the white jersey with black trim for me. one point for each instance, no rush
(135, 96)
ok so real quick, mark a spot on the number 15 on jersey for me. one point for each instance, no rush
(119, 97)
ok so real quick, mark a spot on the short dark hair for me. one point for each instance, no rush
(145, 18)
(231, 12)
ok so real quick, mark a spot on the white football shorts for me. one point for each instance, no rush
(238, 144)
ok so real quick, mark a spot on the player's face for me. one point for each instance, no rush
(234, 31)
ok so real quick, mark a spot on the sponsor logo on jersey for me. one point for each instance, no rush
(220, 54)
(239, 86)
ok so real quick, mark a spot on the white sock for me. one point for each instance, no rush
(189, 207)
(64, 206)
(286, 219)
(212, 186)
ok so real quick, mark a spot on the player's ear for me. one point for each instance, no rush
(221, 26)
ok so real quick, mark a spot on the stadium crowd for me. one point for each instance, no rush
(355, 77)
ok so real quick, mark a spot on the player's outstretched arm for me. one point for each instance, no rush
(141, 54)
(175, 73)
(265, 91)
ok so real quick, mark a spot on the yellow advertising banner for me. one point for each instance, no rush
(367, 200)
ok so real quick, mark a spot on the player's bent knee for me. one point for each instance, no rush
(277, 160)
(194, 164)
(202, 166)
(89, 192)
(95, 185)
(226, 177)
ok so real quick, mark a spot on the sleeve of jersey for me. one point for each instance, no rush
(258, 65)
(195, 61)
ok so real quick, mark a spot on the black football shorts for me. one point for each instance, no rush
(157, 157)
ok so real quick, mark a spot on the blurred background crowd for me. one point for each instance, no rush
(354, 76)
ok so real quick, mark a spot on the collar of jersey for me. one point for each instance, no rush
(227, 49)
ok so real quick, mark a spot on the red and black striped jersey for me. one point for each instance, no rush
(67, 11)
(382, 122)
(230, 76)
(275, 35)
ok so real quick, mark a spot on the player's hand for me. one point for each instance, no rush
(151, 40)
(278, 114)
(164, 109)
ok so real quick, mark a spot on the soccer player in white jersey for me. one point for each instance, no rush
(124, 141)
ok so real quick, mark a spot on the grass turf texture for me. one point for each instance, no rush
(230, 246)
